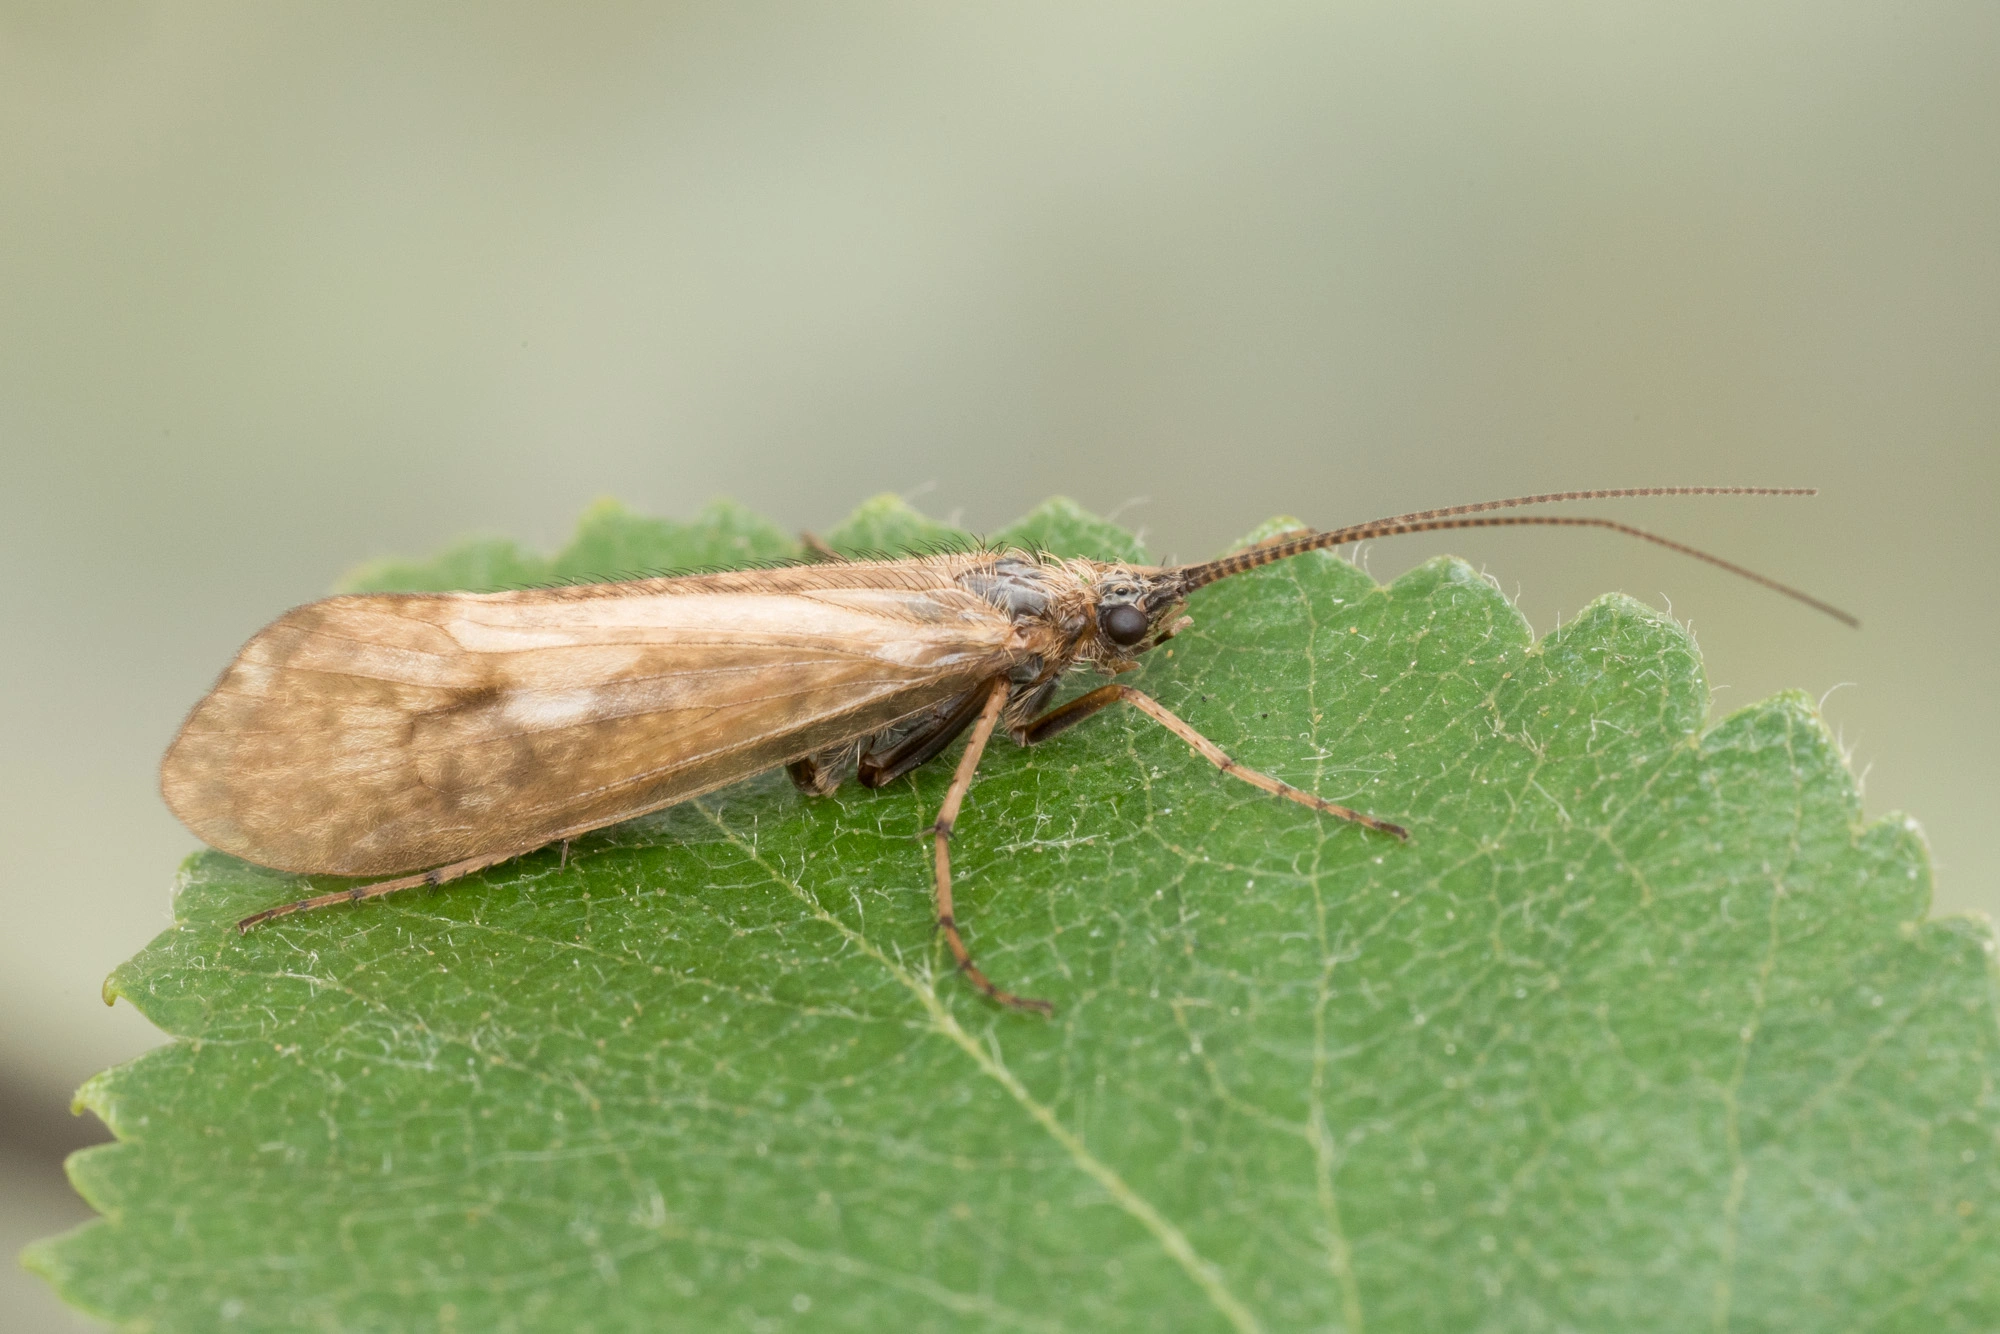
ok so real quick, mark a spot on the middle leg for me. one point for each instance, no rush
(961, 782)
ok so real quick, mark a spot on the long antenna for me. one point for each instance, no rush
(1478, 516)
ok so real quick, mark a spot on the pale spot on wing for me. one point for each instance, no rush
(507, 638)
(542, 709)
(252, 678)
(908, 651)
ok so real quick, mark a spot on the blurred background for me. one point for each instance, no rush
(283, 288)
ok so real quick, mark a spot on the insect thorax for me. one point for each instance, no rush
(1058, 604)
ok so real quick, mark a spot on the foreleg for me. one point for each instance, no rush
(1083, 706)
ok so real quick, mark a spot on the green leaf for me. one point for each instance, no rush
(1644, 1029)
(885, 524)
(613, 543)
(1067, 529)
(477, 565)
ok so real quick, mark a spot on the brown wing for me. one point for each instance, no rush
(381, 733)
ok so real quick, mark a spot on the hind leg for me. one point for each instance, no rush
(439, 876)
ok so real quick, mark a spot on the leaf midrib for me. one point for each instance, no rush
(1204, 1273)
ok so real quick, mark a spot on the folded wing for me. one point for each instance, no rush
(382, 733)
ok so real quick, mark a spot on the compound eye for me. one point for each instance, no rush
(1124, 625)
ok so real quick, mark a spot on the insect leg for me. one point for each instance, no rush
(1074, 712)
(1065, 716)
(441, 875)
(819, 775)
(933, 733)
(996, 697)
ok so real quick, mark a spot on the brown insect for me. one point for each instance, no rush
(382, 733)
